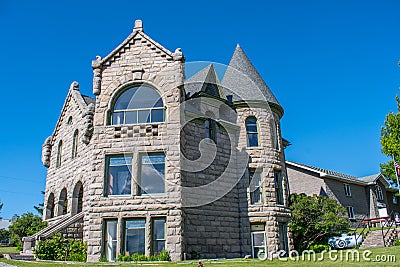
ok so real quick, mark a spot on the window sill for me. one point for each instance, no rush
(143, 123)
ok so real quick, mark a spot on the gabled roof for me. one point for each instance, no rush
(327, 173)
(366, 180)
(137, 33)
(82, 101)
(243, 82)
(206, 81)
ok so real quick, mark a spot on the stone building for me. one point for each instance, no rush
(156, 161)
(371, 196)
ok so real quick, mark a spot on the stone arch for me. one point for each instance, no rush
(77, 198)
(50, 206)
(62, 207)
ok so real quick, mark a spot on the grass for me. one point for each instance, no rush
(377, 252)
(8, 250)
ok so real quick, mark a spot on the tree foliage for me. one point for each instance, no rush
(24, 225)
(390, 141)
(315, 219)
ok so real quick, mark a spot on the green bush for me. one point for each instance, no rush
(55, 248)
(396, 242)
(163, 256)
(318, 248)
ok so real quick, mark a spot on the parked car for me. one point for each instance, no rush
(345, 241)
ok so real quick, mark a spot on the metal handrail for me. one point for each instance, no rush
(358, 226)
(391, 222)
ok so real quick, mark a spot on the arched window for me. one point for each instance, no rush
(77, 198)
(69, 121)
(59, 154)
(139, 104)
(63, 202)
(50, 206)
(75, 144)
(210, 129)
(252, 132)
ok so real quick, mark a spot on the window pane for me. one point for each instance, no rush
(144, 116)
(252, 139)
(159, 228)
(251, 127)
(131, 117)
(135, 236)
(152, 174)
(258, 239)
(157, 115)
(119, 179)
(138, 97)
(111, 240)
(159, 246)
(117, 118)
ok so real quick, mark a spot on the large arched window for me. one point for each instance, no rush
(75, 144)
(252, 132)
(140, 104)
(62, 203)
(59, 154)
(50, 206)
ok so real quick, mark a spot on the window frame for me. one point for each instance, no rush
(75, 141)
(257, 132)
(210, 126)
(350, 212)
(107, 174)
(137, 110)
(394, 199)
(59, 154)
(275, 136)
(251, 173)
(153, 239)
(124, 239)
(347, 190)
(139, 170)
(379, 193)
(279, 187)
(105, 237)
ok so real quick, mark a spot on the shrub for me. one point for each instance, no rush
(318, 248)
(55, 248)
(396, 242)
(163, 256)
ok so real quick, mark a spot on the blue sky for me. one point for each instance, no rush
(331, 64)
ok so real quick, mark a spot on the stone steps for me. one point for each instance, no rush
(374, 239)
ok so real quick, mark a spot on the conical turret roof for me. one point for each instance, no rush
(206, 80)
(243, 82)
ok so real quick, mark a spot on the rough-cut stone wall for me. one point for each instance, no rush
(159, 70)
(72, 170)
(74, 231)
(212, 230)
(268, 159)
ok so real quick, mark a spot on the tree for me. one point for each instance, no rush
(25, 225)
(390, 141)
(315, 219)
(39, 208)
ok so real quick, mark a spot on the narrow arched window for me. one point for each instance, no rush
(59, 154)
(210, 129)
(63, 202)
(75, 144)
(139, 104)
(50, 206)
(252, 132)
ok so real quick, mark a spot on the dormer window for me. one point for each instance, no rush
(139, 104)
(379, 193)
(252, 132)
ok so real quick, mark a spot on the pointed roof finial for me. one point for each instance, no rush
(138, 25)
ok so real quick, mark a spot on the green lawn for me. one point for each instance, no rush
(8, 250)
(378, 252)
